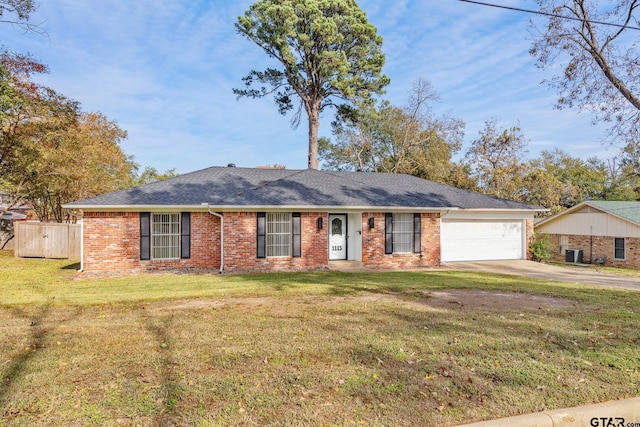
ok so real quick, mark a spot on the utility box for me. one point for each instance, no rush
(573, 255)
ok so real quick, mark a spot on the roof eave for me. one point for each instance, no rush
(505, 209)
(303, 208)
(235, 208)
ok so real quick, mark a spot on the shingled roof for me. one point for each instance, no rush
(627, 210)
(231, 187)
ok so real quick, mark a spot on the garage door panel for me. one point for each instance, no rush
(481, 240)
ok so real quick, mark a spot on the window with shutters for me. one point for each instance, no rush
(165, 236)
(278, 234)
(402, 232)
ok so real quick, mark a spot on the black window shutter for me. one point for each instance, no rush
(388, 233)
(185, 235)
(145, 235)
(262, 234)
(297, 241)
(417, 232)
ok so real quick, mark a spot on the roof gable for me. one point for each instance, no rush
(628, 211)
(610, 219)
(251, 188)
(625, 210)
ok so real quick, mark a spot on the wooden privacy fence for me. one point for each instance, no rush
(47, 240)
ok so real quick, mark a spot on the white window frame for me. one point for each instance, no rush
(402, 233)
(564, 244)
(278, 235)
(165, 235)
(624, 249)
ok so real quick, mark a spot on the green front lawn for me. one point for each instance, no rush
(400, 348)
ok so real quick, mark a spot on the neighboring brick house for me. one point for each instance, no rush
(605, 232)
(240, 219)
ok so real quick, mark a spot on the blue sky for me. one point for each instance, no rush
(164, 70)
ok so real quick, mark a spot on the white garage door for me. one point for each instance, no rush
(467, 240)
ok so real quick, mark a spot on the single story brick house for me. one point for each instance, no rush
(243, 219)
(606, 232)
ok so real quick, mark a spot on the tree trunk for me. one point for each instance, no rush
(314, 124)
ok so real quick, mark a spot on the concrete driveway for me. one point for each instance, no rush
(538, 270)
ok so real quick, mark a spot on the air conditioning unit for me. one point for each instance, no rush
(573, 255)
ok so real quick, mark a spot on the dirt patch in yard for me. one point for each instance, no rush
(250, 302)
(452, 299)
(461, 298)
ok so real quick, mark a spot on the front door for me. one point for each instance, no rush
(337, 237)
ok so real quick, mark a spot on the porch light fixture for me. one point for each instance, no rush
(371, 220)
(319, 223)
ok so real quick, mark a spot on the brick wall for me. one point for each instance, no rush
(111, 241)
(240, 245)
(530, 231)
(600, 247)
(373, 255)
(112, 244)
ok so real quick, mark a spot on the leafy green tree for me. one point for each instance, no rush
(630, 159)
(541, 188)
(387, 138)
(328, 55)
(356, 139)
(496, 159)
(150, 174)
(51, 152)
(81, 160)
(29, 113)
(579, 179)
(613, 183)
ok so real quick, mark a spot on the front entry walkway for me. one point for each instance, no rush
(574, 274)
(347, 266)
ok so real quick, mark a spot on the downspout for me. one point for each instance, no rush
(591, 245)
(221, 236)
(440, 228)
(81, 240)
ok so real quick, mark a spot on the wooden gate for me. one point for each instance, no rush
(47, 240)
